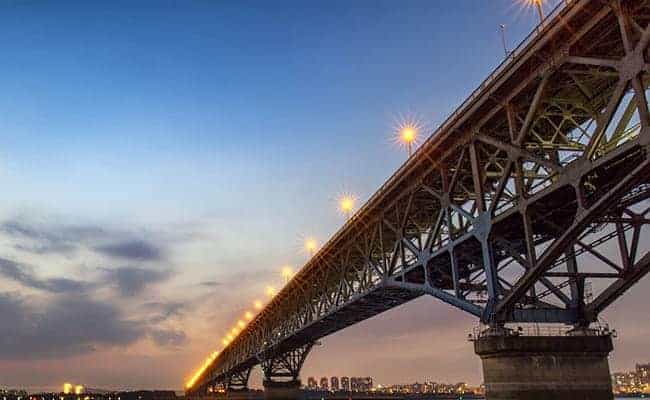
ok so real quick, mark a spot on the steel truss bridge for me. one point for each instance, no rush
(529, 204)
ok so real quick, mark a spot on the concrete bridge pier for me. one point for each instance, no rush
(279, 390)
(282, 372)
(568, 367)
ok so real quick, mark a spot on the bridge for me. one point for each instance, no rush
(529, 204)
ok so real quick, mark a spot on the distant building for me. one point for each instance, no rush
(643, 373)
(324, 383)
(311, 383)
(361, 384)
(335, 383)
(345, 383)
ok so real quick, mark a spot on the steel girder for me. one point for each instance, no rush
(286, 366)
(529, 204)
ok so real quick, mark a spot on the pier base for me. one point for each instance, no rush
(545, 367)
(282, 390)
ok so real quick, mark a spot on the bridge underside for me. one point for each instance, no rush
(530, 204)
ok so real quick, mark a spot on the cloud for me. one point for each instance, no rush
(168, 337)
(66, 325)
(64, 239)
(136, 250)
(24, 275)
(131, 281)
(162, 311)
(48, 239)
(210, 284)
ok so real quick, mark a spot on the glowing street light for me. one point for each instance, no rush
(287, 273)
(248, 315)
(270, 291)
(346, 204)
(258, 305)
(241, 323)
(311, 245)
(408, 134)
(225, 342)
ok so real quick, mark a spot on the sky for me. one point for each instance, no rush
(162, 160)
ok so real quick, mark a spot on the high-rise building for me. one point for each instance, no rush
(311, 383)
(335, 383)
(324, 383)
(345, 383)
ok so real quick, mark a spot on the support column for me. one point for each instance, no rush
(282, 374)
(569, 367)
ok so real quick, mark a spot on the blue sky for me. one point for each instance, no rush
(165, 158)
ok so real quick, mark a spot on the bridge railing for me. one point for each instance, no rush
(599, 328)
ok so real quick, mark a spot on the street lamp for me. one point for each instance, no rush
(408, 134)
(503, 39)
(287, 273)
(311, 246)
(346, 204)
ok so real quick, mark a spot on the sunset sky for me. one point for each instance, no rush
(162, 160)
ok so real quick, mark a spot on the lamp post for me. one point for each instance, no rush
(311, 246)
(408, 134)
(503, 39)
(287, 273)
(346, 205)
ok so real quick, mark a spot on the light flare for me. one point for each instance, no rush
(311, 245)
(407, 132)
(287, 273)
(347, 203)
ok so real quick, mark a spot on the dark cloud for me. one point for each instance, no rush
(49, 239)
(24, 275)
(136, 250)
(131, 281)
(168, 337)
(210, 284)
(162, 311)
(67, 325)
(64, 239)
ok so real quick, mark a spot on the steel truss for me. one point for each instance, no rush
(530, 204)
(286, 366)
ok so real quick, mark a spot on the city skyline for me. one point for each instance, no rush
(133, 237)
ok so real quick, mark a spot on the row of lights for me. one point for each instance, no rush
(407, 134)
